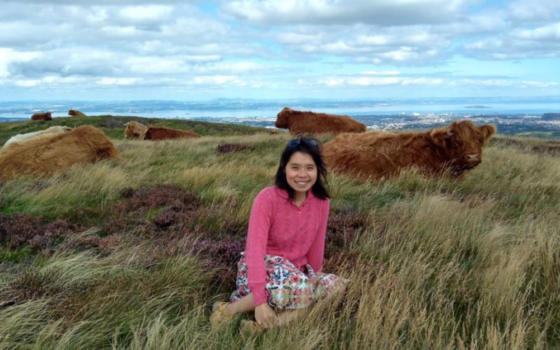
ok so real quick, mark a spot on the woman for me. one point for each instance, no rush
(279, 272)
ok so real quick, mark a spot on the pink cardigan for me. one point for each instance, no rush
(278, 227)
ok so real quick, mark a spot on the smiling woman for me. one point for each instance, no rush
(279, 273)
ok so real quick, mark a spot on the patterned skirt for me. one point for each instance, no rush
(287, 287)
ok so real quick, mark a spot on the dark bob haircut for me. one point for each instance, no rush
(309, 146)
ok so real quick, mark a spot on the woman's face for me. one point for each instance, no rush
(301, 172)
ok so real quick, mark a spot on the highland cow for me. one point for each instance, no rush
(21, 138)
(453, 150)
(47, 155)
(316, 123)
(76, 113)
(160, 133)
(135, 130)
(42, 116)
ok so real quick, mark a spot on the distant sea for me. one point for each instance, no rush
(511, 115)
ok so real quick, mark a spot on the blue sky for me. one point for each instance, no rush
(272, 49)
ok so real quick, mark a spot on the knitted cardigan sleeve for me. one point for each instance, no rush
(316, 252)
(255, 250)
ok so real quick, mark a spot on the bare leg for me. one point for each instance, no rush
(244, 304)
(288, 316)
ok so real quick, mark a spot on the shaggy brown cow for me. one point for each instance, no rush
(308, 122)
(76, 113)
(455, 148)
(135, 130)
(47, 155)
(21, 138)
(42, 116)
(160, 133)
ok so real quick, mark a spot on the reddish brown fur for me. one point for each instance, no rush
(45, 156)
(76, 113)
(135, 130)
(457, 148)
(316, 123)
(160, 133)
(42, 116)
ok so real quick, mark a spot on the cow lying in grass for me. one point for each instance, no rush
(315, 123)
(20, 138)
(453, 149)
(42, 116)
(76, 113)
(161, 133)
(135, 130)
(45, 156)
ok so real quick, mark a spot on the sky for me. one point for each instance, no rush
(278, 49)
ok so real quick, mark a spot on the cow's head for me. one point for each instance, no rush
(462, 142)
(135, 130)
(283, 118)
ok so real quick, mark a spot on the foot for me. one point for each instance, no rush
(220, 315)
(249, 329)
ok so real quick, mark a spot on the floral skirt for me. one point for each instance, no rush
(287, 287)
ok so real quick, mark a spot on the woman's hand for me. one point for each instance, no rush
(265, 316)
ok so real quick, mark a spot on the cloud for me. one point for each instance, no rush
(66, 62)
(364, 43)
(329, 12)
(531, 11)
(217, 80)
(505, 83)
(146, 13)
(266, 44)
(9, 56)
(543, 33)
(540, 41)
(369, 81)
(117, 81)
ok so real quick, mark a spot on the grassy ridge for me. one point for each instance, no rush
(113, 126)
(433, 263)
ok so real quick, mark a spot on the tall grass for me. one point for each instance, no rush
(436, 263)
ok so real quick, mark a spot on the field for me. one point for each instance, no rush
(132, 254)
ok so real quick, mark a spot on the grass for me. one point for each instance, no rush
(433, 263)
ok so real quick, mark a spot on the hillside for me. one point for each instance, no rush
(113, 126)
(132, 254)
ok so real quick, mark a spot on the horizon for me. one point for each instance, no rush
(262, 50)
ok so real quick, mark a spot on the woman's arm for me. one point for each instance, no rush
(316, 252)
(255, 249)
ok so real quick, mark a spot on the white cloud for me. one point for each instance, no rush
(148, 13)
(266, 44)
(117, 81)
(217, 80)
(365, 81)
(9, 56)
(380, 73)
(506, 83)
(399, 12)
(547, 32)
(535, 10)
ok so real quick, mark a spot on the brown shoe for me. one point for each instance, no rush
(220, 316)
(249, 329)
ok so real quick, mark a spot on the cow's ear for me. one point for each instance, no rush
(487, 131)
(441, 136)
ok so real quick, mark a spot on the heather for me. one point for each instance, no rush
(133, 254)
